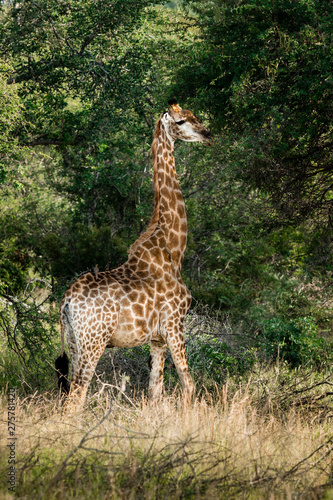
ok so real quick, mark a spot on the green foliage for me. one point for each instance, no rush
(28, 328)
(213, 361)
(262, 69)
(14, 266)
(80, 249)
(10, 117)
(296, 342)
(81, 86)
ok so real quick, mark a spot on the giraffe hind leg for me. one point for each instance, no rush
(176, 344)
(85, 349)
(82, 373)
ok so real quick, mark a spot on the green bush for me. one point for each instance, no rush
(211, 360)
(28, 331)
(296, 341)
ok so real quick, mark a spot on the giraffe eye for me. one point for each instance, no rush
(180, 122)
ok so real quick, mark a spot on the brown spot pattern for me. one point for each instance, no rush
(145, 299)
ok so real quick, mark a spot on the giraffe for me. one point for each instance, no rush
(144, 300)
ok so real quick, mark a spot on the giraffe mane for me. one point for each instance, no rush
(144, 300)
(155, 217)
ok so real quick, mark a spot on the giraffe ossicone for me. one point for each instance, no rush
(145, 299)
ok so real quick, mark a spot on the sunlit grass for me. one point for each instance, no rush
(232, 444)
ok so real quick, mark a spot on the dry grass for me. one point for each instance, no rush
(231, 447)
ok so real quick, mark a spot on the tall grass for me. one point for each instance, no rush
(257, 439)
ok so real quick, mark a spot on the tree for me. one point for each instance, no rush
(262, 69)
(10, 116)
(80, 69)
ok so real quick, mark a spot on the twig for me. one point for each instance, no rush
(85, 438)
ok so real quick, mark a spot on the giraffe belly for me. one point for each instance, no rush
(131, 330)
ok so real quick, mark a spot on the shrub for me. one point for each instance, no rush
(295, 341)
(27, 330)
(212, 360)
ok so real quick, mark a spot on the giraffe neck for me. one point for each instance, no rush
(170, 206)
(169, 216)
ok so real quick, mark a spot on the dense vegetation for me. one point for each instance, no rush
(82, 84)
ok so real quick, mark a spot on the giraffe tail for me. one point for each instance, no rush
(62, 362)
(61, 365)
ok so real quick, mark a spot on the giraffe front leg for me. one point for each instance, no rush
(176, 345)
(157, 353)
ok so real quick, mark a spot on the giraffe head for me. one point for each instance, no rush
(182, 124)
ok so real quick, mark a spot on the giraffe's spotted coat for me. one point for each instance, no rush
(145, 299)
